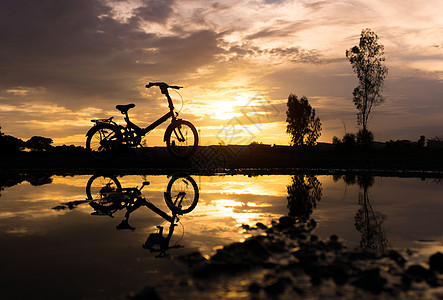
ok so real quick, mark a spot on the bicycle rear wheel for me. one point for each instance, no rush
(103, 142)
(181, 194)
(100, 187)
(181, 138)
(102, 192)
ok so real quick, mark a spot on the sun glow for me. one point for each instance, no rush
(242, 213)
(230, 105)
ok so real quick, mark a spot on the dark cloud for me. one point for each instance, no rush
(34, 31)
(79, 55)
(277, 55)
(274, 1)
(156, 11)
(63, 46)
(300, 55)
(183, 53)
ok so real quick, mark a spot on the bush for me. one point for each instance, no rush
(365, 138)
(10, 144)
(336, 141)
(347, 143)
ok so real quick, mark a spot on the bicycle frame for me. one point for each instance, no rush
(109, 196)
(143, 131)
(125, 197)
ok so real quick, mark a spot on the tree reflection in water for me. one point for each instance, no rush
(37, 179)
(303, 194)
(367, 221)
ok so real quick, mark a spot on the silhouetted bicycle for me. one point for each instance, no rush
(181, 195)
(106, 137)
(106, 197)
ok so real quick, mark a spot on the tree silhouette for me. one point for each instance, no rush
(303, 195)
(367, 62)
(39, 143)
(9, 144)
(367, 221)
(303, 127)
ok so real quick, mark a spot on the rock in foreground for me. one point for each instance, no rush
(286, 261)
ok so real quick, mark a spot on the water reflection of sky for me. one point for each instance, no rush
(73, 247)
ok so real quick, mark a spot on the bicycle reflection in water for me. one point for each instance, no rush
(106, 196)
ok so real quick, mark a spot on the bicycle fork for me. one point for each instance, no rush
(179, 135)
(179, 199)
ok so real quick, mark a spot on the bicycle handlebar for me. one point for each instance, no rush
(163, 85)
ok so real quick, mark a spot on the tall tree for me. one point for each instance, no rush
(368, 221)
(367, 62)
(303, 127)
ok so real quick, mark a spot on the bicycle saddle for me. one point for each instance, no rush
(124, 108)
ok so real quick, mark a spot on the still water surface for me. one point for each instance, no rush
(49, 253)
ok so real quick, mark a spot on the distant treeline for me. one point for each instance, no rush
(352, 141)
(11, 144)
(349, 142)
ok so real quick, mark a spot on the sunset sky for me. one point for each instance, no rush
(63, 63)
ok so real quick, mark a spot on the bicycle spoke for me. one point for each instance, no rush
(103, 143)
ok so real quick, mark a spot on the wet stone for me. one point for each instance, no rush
(406, 281)
(434, 282)
(419, 273)
(246, 227)
(276, 285)
(236, 258)
(436, 262)
(298, 290)
(254, 288)
(261, 226)
(361, 256)
(147, 293)
(370, 280)
(305, 256)
(312, 224)
(338, 272)
(192, 259)
(285, 222)
(397, 257)
(277, 246)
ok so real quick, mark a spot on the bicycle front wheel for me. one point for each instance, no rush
(103, 142)
(181, 138)
(181, 194)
